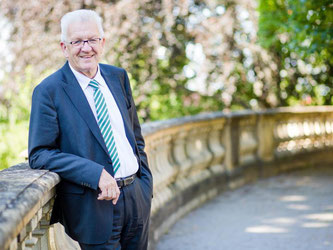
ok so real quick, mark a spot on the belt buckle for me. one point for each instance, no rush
(123, 182)
(128, 180)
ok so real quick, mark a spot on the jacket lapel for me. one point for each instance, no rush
(79, 100)
(114, 84)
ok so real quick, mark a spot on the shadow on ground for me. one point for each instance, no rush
(288, 212)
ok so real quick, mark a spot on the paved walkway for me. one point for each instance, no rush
(289, 212)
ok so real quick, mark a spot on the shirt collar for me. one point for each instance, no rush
(99, 78)
(84, 80)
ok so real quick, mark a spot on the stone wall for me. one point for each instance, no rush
(192, 159)
(26, 198)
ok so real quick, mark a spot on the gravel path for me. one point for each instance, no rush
(289, 212)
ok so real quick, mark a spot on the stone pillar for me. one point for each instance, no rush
(265, 132)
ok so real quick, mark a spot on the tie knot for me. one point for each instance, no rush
(93, 83)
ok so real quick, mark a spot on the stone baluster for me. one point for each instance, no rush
(216, 147)
(266, 142)
(248, 143)
(198, 152)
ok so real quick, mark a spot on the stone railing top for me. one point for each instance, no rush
(152, 127)
(23, 192)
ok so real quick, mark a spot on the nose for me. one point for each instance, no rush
(86, 46)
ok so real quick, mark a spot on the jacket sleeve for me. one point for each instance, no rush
(44, 150)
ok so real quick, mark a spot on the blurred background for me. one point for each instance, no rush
(183, 56)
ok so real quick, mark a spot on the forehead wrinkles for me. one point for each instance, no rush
(83, 30)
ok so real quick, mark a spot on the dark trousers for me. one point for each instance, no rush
(130, 219)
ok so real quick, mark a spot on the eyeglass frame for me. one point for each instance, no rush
(80, 43)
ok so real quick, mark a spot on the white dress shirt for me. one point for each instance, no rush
(128, 161)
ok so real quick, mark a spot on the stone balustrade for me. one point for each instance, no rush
(192, 159)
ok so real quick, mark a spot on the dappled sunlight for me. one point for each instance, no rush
(291, 224)
(266, 229)
(282, 221)
(288, 224)
(320, 217)
(315, 225)
(300, 207)
(198, 145)
(296, 135)
(293, 198)
(293, 130)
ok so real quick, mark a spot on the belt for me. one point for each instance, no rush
(123, 182)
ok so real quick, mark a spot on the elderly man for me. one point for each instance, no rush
(84, 127)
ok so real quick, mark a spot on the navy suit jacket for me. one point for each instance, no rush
(64, 137)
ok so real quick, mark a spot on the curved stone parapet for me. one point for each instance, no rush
(26, 199)
(195, 158)
(192, 160)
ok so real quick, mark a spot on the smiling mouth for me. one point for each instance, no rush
(86, 57)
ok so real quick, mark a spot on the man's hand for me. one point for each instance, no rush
(109, 188)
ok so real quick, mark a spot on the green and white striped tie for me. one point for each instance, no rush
(104, 124)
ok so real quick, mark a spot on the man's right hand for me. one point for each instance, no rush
(109, 188)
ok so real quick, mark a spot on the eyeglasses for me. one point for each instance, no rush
(91, 42)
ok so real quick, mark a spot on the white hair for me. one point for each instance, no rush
(81, 16)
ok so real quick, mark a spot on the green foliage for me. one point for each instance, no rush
(310, 25)
(299, 33)
(14, 113)
(16, 101)
(272, 16)
(13, 144)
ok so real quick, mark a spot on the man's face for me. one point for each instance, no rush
(83, 58)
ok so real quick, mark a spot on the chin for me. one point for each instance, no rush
(89, 71)
(89, 68)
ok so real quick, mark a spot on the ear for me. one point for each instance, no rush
(103, 43)
(64, 49)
